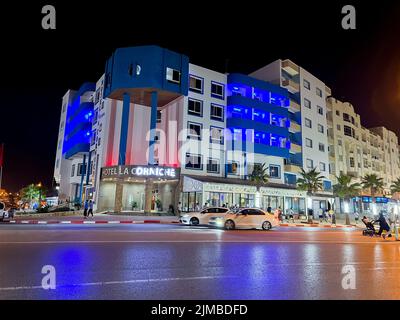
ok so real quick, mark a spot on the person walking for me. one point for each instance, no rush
(333, 218)
(85, 208)
(383, 226)
(90, 212)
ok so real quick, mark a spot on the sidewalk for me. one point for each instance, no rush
(98, 219)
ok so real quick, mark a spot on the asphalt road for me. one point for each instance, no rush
(179, 262)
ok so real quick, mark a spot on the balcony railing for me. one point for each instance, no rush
(291, 86)
(294, 127)
(290, 67)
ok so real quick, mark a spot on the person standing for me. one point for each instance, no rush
(90, 212)
(85, 208)
(333, 218)
(383, 226)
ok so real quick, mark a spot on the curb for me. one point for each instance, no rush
(92, 222)
(314, 226)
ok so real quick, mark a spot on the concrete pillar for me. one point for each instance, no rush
(153, 126)
(148, 194)
(124, 128)
(119, 189)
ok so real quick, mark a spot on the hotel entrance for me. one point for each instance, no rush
(141, 189)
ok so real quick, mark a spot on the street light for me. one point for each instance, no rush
(40, 193)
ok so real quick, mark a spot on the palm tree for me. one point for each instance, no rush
(344, 189)
(311, 182)
(259, 175)
(31, 192)
(373, 183)
(395, 186)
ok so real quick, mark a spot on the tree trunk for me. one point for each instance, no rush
(347, 215)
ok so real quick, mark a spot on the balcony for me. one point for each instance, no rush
(295, 148)
(294, 106)
(294, 127)
(292, 167)
(290, 67)
(291, 86)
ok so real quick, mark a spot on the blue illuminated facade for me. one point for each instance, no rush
(259, 109)
(78, 126)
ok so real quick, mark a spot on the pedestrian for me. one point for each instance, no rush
(85, 208)
(269, 210)
(383, 226)
(393, 224)
(320, 215)
(197, 208)
(205, 205)
(280, 214)
(179, 208)
(290, 214)
(90, 212)
(356, 217)
(333, 218)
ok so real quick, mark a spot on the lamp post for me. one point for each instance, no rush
(40, 193)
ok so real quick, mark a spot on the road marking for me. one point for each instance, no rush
(65, 222)
(103, 283)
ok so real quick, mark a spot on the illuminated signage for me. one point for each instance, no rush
(140, 172)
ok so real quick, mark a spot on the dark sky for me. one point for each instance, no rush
(38, 66)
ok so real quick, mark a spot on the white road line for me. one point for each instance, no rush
(42, 222)
(89, 222)
(104, 283)
(114, 222)
(65, 222)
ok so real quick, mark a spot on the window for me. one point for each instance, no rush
(319, 92)
(173, 75)
(322, 166)
(80, 170)
(213, 165)
(308, 123)
(72, 170)
(217, 112)
(320, 110)
(338, 127)
(195, 107)
(233, 167)
(339, 142)
(352, 162)
(346, 117)
(194, 161)
(274, 172)
(321, 147)
(310, 164)
(337, 112)
(196, 84)
(309, 143)
(157, 136)
(217, 90)
(307, 103)
(158, 116)
(216, 135)
(348, 131)
(64, 107)
(320, 128)
(306, 84)
(194, 131)
(57, 163)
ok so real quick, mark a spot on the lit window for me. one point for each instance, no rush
(274, 172)
(173, 75)
(216, 135)
(233, 168)
(196, 84)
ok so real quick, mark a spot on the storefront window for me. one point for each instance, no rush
(190, 201)
(273, 202)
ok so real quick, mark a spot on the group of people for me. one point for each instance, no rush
(87, 208)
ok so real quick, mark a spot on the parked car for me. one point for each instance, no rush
(245, 219)
(4, 214)
(202, 217)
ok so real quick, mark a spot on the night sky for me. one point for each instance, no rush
(38, 66)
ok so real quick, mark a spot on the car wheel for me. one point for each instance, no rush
(194, 222)
(229, 225)
(267, 225)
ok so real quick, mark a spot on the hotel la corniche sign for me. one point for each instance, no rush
(156, 172)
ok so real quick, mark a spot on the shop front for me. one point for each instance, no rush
(198, 192)
(149, 189)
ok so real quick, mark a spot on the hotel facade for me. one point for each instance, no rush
(157, 133)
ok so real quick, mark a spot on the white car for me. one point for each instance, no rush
(202, 217)
(245, 219)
